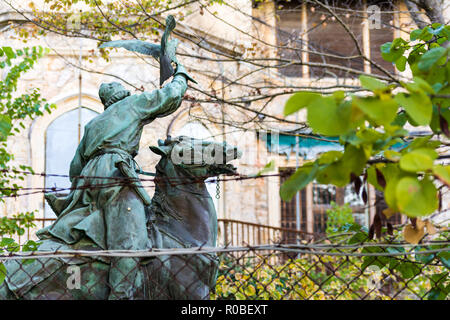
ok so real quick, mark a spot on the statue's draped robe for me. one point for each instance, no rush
(108, 210)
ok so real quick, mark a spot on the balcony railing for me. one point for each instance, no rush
(230, 232)
(241, 233)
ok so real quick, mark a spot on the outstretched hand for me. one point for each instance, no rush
(179, 69)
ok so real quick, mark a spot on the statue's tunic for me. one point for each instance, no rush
(104, 206)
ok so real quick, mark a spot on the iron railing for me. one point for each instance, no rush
(230, 232)
(240, 233)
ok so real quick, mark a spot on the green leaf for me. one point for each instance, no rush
(416, 198)
(442, 173)
(338, 173)
(9, 52)
(31, 245)
(372, 177)
(414, 35)
(5, 242)
(339, 96)
(423, 85)
(379, 261)
(423, 258)
(392, 174)
(330, 157)
(437, 117)
(437, 294)
(250, 291)
(371, 83)
(400, 119)
(298, 101)
(392, 155)
(444, 256)
(299, 180)
(359, 237)
(326, 117)
(425, 35)
(5, 126)
(431, 57)
(400, 63)
(267, 168)
(417, 105)
(436, 28)
(418, 160)
(407, 269)
(383, 112)
(446, 32)
(240, 296)
(391, 51)
(421, 142)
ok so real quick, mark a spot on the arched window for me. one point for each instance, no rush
(195, 129)
(61, 141)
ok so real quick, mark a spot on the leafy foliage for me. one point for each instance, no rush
(362, 275)
(16, 224)
(372, 128)
(15, 109)
(104, 20)
(337, 217)
(319, 278)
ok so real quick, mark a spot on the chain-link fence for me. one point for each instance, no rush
(344, 268)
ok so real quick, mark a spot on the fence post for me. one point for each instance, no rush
(225, 232)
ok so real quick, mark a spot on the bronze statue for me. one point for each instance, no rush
(181, 215)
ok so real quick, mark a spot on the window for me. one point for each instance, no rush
(61, 141)
(289, 37)
(328, 41)
(289, 210)
(382, 35)
(325, 39)
(322, 197)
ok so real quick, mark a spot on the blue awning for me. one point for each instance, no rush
(309, 148)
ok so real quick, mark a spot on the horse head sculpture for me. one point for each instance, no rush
(196, 157)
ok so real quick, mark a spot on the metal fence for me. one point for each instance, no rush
(339, 268)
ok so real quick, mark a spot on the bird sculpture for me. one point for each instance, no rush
(164, 53)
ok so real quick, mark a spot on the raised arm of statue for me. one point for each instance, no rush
(162, 102)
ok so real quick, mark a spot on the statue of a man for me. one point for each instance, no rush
(104, 205)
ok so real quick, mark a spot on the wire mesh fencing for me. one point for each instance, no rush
(346, 269)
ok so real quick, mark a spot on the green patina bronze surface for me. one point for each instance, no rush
(179, 216)
(110, 212)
